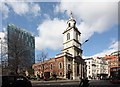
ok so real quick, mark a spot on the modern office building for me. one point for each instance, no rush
(20, 50)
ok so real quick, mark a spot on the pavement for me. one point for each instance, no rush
(72, 83)
(55, 82)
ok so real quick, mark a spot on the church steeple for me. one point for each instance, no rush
(71, 40)
(71, 22)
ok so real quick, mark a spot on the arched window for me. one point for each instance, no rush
(68, 36)
(60, 73)
(51, 66)
(69, 25)
(60, 65)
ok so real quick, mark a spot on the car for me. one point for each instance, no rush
(15, 81)
(115, 80)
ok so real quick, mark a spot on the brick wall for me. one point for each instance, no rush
(52, 66)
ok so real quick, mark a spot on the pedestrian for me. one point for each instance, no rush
(38, 77)
(81, 82)
(84, 82)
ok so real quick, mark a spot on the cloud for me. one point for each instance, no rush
(50, 34)
(4, 9)
(112, 48)
(91, 17)
(97, 17)
(20, 8)
(35, 9)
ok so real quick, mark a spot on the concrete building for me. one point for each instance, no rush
(20, 47)
(97, 68)
(71, 55)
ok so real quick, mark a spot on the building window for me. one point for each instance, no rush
(68, 59)
(77, 52)
(77, 69)
(69, 25)
(89, 72)
(60, 73)
(51, 73)
(51, 66)
(76, 36)
(68, 36)
(60, 65)
(68, 66)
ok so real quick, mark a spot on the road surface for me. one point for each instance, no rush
(93, 83)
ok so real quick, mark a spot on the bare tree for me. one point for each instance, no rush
(41, 58)
(3, 53)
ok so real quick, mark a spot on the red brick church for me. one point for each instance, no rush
(69, 63)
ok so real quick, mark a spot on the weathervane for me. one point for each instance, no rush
(71, 15)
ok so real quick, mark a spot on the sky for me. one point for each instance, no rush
(47, 20)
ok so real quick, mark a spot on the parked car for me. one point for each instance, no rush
(15, 81)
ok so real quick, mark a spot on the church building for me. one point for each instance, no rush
(69, 63)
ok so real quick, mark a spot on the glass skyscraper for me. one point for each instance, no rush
(21, 49)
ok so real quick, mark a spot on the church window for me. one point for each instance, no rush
(51, 66)
(60, 73)
(77, 69)
(51, 73)
(77, 53)
(60, 65)
(69, 25)
(76, 36)
(68, 36)
(68, 59)
(68, 66)
(74, 24)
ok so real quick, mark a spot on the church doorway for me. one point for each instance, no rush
(68, 75)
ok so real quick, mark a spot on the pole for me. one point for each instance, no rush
(85, 41)
(82, 64)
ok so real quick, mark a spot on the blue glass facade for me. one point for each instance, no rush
(21, 47)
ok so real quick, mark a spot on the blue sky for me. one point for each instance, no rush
(97, 21)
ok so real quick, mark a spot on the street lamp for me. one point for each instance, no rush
(85, 41)
(84, 65)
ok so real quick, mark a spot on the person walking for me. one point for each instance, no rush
(84, 82)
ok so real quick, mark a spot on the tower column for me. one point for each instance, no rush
(80, 70)
(65, 66)
(73, 69)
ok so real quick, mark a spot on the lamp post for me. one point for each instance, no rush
(85, 41)
(83, 71)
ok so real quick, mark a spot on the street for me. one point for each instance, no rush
(93, 83)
